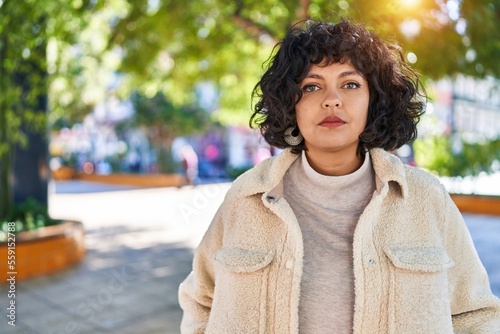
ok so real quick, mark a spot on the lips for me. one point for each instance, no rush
(332, 121)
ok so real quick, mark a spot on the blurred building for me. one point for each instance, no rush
(469, 106)
(467, 110)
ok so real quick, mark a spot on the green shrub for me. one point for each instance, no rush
(437, 154)
(234, 172)
(27, 216)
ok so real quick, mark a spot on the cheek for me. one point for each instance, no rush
(363, 117)
(363, 120)
(300, 122)
(300, 112)
(307, 107)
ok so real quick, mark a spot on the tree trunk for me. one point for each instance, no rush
(30, 172)
(5, 193)
(23, 170)
(30, 166)
(5, 155)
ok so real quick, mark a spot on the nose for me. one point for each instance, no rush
(331, 100)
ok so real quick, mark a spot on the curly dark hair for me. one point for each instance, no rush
(397, 98)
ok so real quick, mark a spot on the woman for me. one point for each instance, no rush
(335, 234)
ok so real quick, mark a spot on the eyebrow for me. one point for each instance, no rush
(349, 73)
(341, 75)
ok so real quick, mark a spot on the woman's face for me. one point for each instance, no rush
(333, 109)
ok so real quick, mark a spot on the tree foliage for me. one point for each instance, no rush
(447, 157)
(169, 46)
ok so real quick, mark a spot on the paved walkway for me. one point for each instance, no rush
(139, 248)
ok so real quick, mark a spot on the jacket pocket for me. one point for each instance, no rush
(240, 293)
(418, 290)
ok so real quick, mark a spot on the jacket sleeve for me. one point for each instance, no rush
(474, 307)
(196, 291)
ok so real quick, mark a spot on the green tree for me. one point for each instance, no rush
(163, 122)
(169, 46)
(25, 29)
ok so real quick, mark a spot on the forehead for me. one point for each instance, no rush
(338, 68)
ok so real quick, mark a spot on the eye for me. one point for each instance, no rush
(310, 88)
(352, 85)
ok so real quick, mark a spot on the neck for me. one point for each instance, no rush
(334, 163)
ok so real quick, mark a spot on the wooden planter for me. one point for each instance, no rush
(139, 180)
(64, 173)
(44, 251)
(478, 204)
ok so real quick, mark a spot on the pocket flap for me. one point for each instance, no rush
(428, 259)
(242, 260)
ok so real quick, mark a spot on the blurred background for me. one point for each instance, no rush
(131, 117)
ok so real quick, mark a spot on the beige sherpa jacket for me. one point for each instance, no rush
(415, 267)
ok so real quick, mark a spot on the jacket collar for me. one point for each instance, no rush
(265, 176)
(268, 175)
(389, 168)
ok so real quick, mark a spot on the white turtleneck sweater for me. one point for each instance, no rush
(327, 209)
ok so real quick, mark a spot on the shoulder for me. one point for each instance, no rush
(426, 189)
(412, 180)
(421, 179)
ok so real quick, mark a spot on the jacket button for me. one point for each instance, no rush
(289, 264)
(271, 199)
(371, 261)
